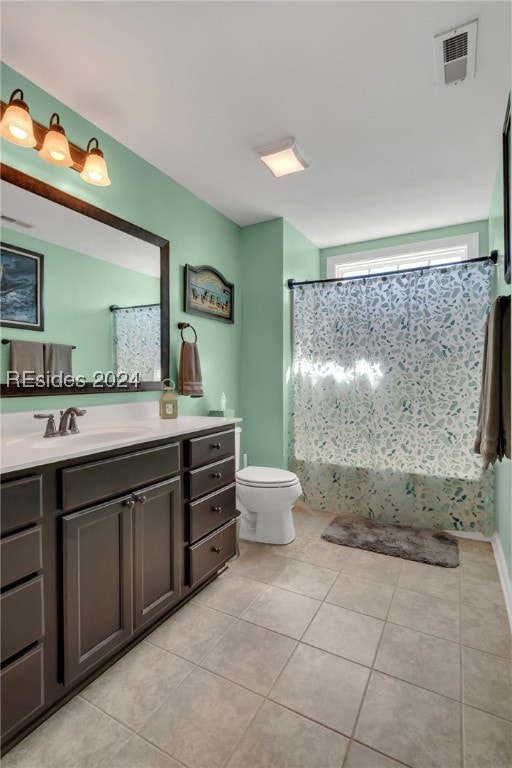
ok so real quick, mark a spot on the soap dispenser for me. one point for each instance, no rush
(168, 401)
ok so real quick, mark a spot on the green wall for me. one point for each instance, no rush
(503, 470)
(78, 291)
(480, 227)
(142, 194)
(271, 252)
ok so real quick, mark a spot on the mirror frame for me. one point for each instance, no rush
(31, 184)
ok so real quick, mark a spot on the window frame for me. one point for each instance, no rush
(416, 251)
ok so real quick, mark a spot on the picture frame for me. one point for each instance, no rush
(21, 288)
(208, 293)
(506, 193)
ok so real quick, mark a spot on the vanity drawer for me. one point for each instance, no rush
(208, 513)
(20, 555)
(206, 479)
(100, 480)
(210, 448)
(21, 502)
(211, 553)
(22, 685)
(22, 617)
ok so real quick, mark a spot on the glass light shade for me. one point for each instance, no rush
(95, 169)
(16, 125)
(55, 147)
(283, 159)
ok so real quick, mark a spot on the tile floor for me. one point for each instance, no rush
(306, 656)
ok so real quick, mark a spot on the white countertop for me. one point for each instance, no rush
(102, 428)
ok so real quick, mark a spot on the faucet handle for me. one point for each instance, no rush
(50, 430)
(72, 419)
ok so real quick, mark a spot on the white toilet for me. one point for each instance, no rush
(265, 497)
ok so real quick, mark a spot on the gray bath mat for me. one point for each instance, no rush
(421, 544)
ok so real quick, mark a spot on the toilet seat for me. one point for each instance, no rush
(266, 477)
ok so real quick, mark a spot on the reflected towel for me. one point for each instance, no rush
(493, 436)
(26, 357)
(190, 381)
(57, 359)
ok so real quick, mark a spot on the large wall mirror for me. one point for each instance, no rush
(104, 290)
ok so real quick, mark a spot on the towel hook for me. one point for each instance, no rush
(182, 327)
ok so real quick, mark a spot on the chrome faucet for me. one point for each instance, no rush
(67, 423)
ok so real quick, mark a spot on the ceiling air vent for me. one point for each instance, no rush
(455, 54)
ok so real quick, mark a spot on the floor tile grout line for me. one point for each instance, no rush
(363, 697)
(242, 734)
(461, 683)
(379, 752)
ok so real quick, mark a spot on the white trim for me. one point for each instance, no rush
(469, 535)
(506, 582)
(471, 240)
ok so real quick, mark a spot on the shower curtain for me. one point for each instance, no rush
(136, 341)
(385, 386)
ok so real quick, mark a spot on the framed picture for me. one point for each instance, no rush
(208, 293)
(506, 191)
(21, 288)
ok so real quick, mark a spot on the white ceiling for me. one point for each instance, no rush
(353, 82)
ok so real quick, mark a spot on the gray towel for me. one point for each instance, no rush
(27, 357)
(57, 359)
(190, 381)
(493, 436)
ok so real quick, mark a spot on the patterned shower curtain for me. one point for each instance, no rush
(385, 389)
(137, 341)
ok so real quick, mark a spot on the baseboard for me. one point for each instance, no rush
(469, 535)
(506, 582)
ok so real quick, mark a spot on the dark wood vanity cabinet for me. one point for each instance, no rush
(97, 552)
(210, 506)
(22, 603)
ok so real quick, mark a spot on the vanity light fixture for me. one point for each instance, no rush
(283, 158)
(50, 142)
(95, 167)
(16, 125)
(55, 147)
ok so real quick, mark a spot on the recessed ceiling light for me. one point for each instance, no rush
(283, 158)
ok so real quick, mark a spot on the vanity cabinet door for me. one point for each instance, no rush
(97, 584)
(157, 566)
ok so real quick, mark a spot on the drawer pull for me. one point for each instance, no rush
(129, 503)
(218, 446)
(218, 510)
(140, 499)
(217, 475)
(216, 549)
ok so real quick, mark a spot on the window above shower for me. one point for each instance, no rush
(429, 253)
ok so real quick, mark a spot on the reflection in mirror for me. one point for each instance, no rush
(102, 291)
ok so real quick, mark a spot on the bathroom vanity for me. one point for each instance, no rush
(102, 539)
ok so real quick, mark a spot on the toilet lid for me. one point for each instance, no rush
(266, 476)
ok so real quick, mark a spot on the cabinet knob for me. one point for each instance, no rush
(140, 499)
(218, 510)
(217, 475)
(129, 503)
(218, 446)
(216, 549)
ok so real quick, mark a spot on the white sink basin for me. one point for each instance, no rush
(93, 436)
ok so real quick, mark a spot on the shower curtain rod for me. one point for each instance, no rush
(492, 258)
(115, 307)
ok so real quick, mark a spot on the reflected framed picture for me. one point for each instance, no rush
(21, 288)
(208, 293)
(506, 191)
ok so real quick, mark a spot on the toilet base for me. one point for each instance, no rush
(268, 527)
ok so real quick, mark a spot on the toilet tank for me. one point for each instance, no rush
(237, 447)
